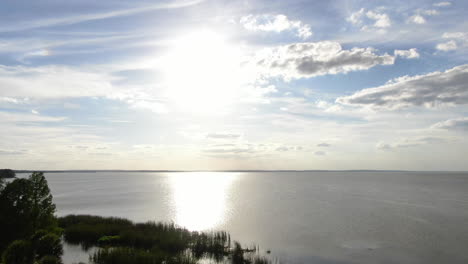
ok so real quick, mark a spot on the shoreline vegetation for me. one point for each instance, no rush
(7, 173)
(120, 241)
(31, 234)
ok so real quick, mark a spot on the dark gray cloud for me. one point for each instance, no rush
(429, 90)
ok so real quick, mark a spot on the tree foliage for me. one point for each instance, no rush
(18, 252)
(7, 173)
(26, 207)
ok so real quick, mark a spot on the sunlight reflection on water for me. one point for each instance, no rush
(200, 198)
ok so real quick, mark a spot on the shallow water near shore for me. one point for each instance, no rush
(302, 217)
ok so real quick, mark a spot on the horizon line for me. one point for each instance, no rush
(308, 170)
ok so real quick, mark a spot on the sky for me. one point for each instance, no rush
(234, 85)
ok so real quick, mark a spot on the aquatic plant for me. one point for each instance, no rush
(122, 241)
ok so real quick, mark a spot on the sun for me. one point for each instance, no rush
(202, 72)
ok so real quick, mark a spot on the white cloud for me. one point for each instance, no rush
(75, 19)
(52, 82)
(417, 19)
(456, 35)
(276, 23)
(457, 40)
(419, 16)
(32, 117)
(447, 46)
(408, 54)
(442, 4)
(381, 20)
(370, 20)
(309, 59)
(453, 124)
(9, 100)
(430, 90)
(410, 143)
(258, 94)
(223, 136)
(154, 106)
(430, 12)
(356, 17)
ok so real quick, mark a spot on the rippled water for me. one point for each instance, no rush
(302, 217)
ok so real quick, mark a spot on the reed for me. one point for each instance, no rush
(122, 241)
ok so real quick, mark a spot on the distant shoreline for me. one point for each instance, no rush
(98, 171)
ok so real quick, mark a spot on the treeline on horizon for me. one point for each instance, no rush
(7, 173)
(31, 234)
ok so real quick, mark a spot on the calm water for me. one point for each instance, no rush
(303, 217)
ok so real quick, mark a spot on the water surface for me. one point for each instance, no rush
(302, 217)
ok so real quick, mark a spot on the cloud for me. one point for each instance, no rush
(370, 20)
(455, 35)
(276, 23)
(34, 112)
(320, 153)
(429, 90)
(408, 54)
(453, 124)
(419, 16)
(309, 59)
(258, 94)
(9, 100)
(282, 148)
(14, 117)
(288, 148)
(381, 20)
(442, 4)
(52, 82)
(457, 39)
(223, 136)
(234, 150)
(324, 145)
(153, 106)
(9, 152)
(417, 19)
(447, 46)
(410, 143)
(75, 19)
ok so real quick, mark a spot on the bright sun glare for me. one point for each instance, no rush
(202, 72)
(200, 198)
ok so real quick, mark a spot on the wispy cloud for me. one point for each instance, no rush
(70, 20)
(276, 23)
(453, 124)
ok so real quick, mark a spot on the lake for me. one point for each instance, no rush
(302, 217)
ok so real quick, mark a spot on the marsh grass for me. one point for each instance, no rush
(122, 241)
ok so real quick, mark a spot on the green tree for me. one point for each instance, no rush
(42, 207)
(2, 184)
(49, 245)
(18, 252)
(50, 260)
(7, 173)
(26, 206)
(15, 216)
